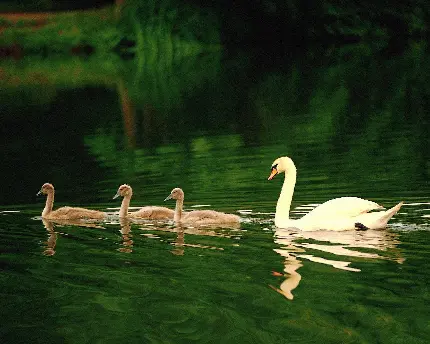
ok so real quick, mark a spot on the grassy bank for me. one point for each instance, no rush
(62, 32)
(126, 30)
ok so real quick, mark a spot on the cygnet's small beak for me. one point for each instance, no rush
(116, 195)
(39, 193)
(273, 173)
(168, 197)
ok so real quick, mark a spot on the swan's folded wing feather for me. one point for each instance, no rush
(343, 207)
(153, 212)
(209, 216)
(201, 214)
(76, 213)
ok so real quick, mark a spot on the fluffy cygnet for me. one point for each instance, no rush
(148, 212)
(65, 213)
(198, 217)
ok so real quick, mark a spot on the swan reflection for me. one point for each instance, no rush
(294, 247)
(182, 231)
(50, 225)
(179, 241)
(125, 230)
(52, 238)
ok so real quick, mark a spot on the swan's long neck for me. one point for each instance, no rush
(123, 211)
(178, 210)
(284, 200)
(49, 204)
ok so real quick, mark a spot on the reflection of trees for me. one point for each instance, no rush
(160, 89)
(349, 103)
(152, 93)
(342, 91)
(351, 97)
(315, 107)
(128, 115)
(352, 103)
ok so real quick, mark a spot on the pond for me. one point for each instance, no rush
(354, 120)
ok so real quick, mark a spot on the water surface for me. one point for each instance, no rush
(354, 121)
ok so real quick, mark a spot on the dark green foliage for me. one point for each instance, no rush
(131, 29)
(299, 22)
(63, 32)
(134, 24)
(170, 17)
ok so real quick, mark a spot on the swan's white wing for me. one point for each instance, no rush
(342, 207)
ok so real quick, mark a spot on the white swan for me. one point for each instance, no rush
(65, 213)
(199, 217)
(148, 212)
(339, 214)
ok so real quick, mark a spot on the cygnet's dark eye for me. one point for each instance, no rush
(275, 166)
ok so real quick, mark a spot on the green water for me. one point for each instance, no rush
(354, 121)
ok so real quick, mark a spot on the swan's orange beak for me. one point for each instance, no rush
(273, 173)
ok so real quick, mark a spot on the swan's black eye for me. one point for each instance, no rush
(274, 166)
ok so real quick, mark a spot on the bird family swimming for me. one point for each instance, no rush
(338, 214)
(65, 213)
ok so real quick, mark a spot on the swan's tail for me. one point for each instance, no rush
(376, 220)
(390, 212)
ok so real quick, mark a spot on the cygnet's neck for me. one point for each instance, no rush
(49, 204)
(123, 211)
(284, 200)
(178, 210)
